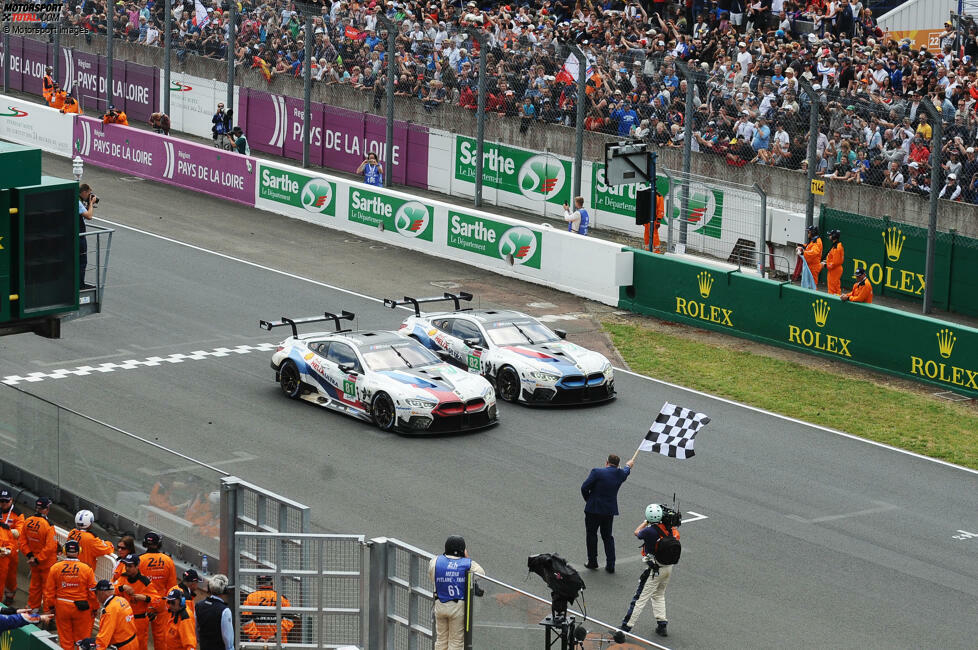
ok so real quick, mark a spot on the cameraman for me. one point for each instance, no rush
(449, 571)
(214, 628)
(650, 531)
(86, 212)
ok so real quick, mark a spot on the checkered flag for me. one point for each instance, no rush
(673, 431)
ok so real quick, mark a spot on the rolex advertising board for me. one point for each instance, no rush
(893, 341)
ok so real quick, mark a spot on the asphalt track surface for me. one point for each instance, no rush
(812, 538)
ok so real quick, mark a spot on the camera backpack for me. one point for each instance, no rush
(667, 548)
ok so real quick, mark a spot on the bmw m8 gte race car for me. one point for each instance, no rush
(381, 377)
(524, 359)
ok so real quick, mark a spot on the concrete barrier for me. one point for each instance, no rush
(583, 266)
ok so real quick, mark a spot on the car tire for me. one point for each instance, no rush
(290, 380)
(508, 384)
(383, 412)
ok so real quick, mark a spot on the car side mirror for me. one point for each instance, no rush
(473, 343)
(561, 333)
(349, 368)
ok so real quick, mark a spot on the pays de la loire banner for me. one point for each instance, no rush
(168, 160)
(85, 76)
(338, 138)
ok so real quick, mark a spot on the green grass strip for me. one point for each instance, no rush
(890, 415)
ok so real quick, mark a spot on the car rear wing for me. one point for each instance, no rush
(292, 322)
(417, 302)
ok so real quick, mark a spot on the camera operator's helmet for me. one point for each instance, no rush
(653, 513)
(455, 545)
(84, 519)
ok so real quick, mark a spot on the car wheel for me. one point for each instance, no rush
(383, 413)
(290, 380)
(508, 384)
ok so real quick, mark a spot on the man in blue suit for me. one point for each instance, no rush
(600, 492)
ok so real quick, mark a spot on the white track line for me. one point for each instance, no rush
(130, 364)
(724, 400)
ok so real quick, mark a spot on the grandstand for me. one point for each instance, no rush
(750, 107)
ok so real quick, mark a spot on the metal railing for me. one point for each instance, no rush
(401, 596)
(321, 583)
(252, 509)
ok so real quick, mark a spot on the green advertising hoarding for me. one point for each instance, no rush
(495, 239)
(310, 193)
(412, 219)
(889, 340)
(704, 205)
(894, 256)
(536, 176)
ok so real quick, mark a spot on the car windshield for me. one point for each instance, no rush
(519, 333)
(397, 356)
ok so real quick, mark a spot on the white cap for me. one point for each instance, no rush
(952, 177)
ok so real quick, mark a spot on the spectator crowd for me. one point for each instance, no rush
(747, 59)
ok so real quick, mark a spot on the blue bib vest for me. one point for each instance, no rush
(372, 175)
(450, 577)
(582, 227)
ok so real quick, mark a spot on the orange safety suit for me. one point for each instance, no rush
(57, 99)
(813, 257)
(653, 228)
(159, 605)
(8, 576)
(833, 262)
(37, 541)
(182, 634)
(861, 292)
(71, 106)
(159, 497)
(117, 119)
(142, 588)
(159, 568)
(261, 625)
(116, 626)
(202, 515)
(48, 87)
(92, 548)
(69, 594)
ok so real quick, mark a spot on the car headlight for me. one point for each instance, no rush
(488, 392)
(544, 376)
(608, 370)
(420, 403)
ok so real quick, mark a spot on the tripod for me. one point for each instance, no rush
(565, 629)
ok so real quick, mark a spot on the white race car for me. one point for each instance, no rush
(381, 377)
(524, 359)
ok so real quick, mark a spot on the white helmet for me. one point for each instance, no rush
(84, 519)
(653, 513)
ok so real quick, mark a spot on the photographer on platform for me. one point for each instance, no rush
(86, 212)
(660, 550)
(449, 571)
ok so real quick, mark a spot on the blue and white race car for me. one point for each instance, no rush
(381, 377)
(524, 359)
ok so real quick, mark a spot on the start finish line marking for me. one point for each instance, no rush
(81, 371)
